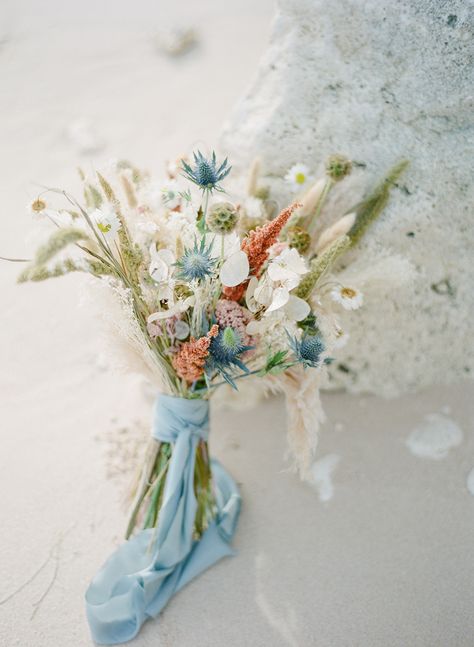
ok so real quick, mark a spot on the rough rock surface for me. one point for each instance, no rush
(379, 81)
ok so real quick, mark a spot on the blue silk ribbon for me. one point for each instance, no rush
(140, 577)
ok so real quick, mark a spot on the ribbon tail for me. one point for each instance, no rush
(136, 583)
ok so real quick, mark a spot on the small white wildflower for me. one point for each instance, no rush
(106, 221)
(298, 177)
(170, 194)
(348, 298)
(254, 207)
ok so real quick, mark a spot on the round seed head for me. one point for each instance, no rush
(222, 218)
(338, 166)
(298, 238)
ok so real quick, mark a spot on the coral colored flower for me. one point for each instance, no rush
(190, 360)
(256, 245)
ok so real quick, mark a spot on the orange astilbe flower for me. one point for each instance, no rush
(256, 246)
(189, 361)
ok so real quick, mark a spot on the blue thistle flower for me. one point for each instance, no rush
(308, 350)
(206, 174)
(224, 352)
(196, 263)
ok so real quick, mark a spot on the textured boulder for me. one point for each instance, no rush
(379, 81)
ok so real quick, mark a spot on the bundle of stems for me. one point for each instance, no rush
(148, 494)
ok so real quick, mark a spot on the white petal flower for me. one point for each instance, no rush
(235, 269)
(297, 309)
(160, 268)
(280, 297)
(298, 177)
(263, 293)
(106, 221)
(181, 329)
(287, 266)
(250, 300)
(231, 243)
(348, 298)
(178, 307)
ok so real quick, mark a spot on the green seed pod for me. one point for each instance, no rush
(222, 218)
(298, 238)
(262, 192)
(337, 167)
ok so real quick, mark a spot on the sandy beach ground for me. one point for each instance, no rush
(378, 552)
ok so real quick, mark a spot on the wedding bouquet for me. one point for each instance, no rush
(211, 291)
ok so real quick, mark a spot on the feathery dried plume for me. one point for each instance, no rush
(339, 228)
(252, 183)
(305, 415)
(57, 242)
(129, 191)
(370, 208)
(189, 362)
(311, 200)
(320, 265)
(256, 246)
(107, 189)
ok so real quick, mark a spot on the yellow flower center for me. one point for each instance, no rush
(104, 228)
(348, 293)
(300, 178)
(38, 205)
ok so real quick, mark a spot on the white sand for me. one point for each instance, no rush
(387, 561)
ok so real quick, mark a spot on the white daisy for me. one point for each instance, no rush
(348, 298)
(299, 177)
(106, 221)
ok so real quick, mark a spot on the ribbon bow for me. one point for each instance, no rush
(141, 576)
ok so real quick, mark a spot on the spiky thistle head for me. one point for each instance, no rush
(308, 350)
(224, 353)
(205, 173)
(196, 262)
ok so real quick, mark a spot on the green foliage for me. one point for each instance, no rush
(57, 242)
(371, 208)
(320, 265)
(275, 364)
